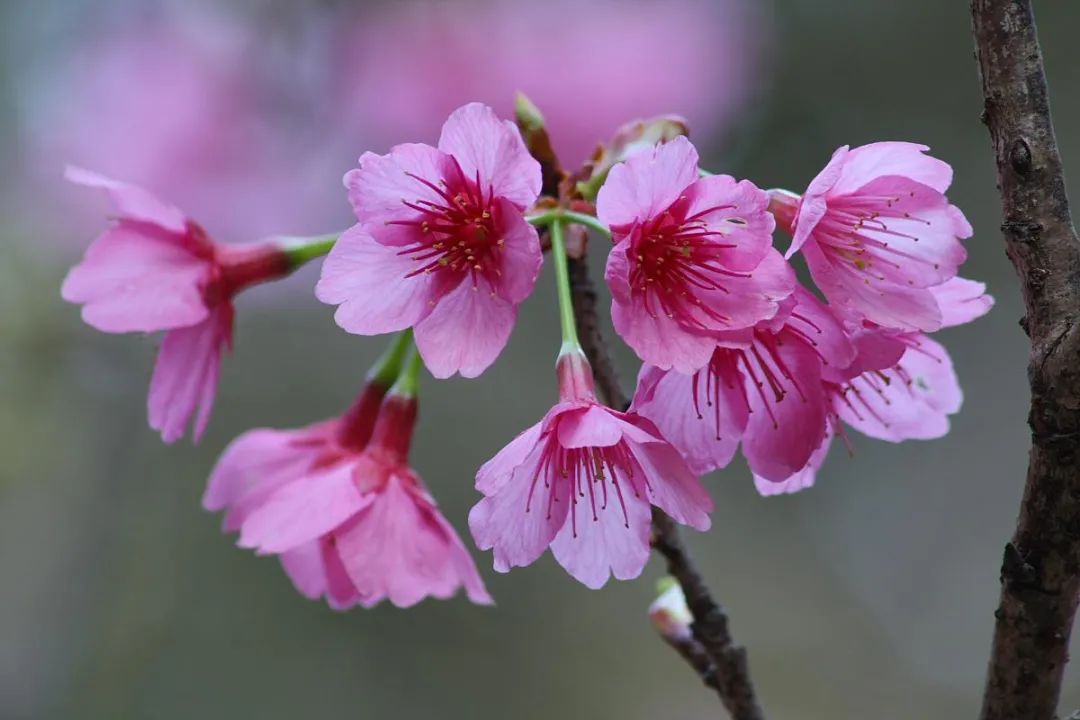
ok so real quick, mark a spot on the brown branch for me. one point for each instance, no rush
(720, 663)
(1040, 575)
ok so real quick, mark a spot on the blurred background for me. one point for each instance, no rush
(870, 595)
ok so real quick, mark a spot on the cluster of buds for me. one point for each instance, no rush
(736, 354)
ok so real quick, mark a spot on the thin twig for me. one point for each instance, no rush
(712, 652)
(1040, 574)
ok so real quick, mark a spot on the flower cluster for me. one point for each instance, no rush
(737, 354)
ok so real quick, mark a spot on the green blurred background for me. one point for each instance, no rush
(870, 595)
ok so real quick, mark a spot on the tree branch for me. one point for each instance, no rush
(1040, 574)
(720, 663)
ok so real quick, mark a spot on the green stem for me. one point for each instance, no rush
(301, 250)
(388, 367)
(550, 216)
(408, 380)
(562, 283)
(587, 220)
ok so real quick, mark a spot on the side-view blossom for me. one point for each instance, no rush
(154, 269)
(583, 481)
(441, 243)
(878, 232)
(693, 256)
(762, 388)
(901, 386)
(340, 506)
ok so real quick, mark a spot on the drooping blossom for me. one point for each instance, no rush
(693, 257)
(582, 482)
(901, 386)
(762, 388)
(878, 232)
(441, 243)
(339, 504)
(155, 269)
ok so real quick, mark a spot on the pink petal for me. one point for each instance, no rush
(673, 487)
(518, 528)
(961, 301)
(901, 307)
(135, 278)
(800, 479)
(612, 544)
(186, 375)
(259, 462)
(592, 426)
(815, 321)
(340, 592)
(814, 202)
(520, 255)
(367, 280)
(717, 201)
(379, 188)
(869, 162)
(708, 434)
(131, 202)
(304, 566)
(655, 338)
(304, 509)
(483, 144)
(496, 472)
(782, 434)
(466, 331)
(647, 183)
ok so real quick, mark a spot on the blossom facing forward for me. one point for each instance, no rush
(693, 256)
(339, 504)
(441, 243)
(154, 269)
(878, 232)
(582, 482)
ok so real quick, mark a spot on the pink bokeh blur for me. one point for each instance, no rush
(249, 123)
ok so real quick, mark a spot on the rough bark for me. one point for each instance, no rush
(1041, 567)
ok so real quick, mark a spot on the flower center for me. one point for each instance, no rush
(676, 256)
(582, 476)
(857, 229)
(457, 231)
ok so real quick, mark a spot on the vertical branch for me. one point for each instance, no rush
(1040, 575)
(713, 653)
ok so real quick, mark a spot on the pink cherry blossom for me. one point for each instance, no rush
(900, 386)
(339, 504)
(878, 232)
(155, 269)
(581, 481)
(693, 256)
(762, 388)
(441, 243)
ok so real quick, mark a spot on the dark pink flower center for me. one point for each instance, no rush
(457, 232)
(675, 254)
(587, 476)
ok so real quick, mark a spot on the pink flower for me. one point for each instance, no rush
(762, 388)
(155, 269)
(693, 257)
(582, 481)
(878, 232)
(442, 243)
(349, 519)
(900, 386)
